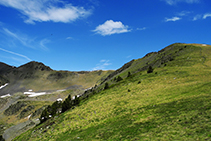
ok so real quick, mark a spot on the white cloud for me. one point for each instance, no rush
(197, 17)
(174, 2)
(184, 13)
(143, 28)
(17, 54)
(200, 16)
(69, 38)
(173, 19)
(47, 10)
(102, 65)
(206, 15)
(110, 27)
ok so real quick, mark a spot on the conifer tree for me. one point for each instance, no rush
(106, 86)
(150, 69)
(128, 74)
(119, 79)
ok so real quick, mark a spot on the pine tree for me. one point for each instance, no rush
(119, 79)
(150, 69)
(106, 86)
(128, 74)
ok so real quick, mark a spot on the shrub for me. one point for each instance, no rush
(119, 79)
(150, 69)
(106, 86)
(128, 74)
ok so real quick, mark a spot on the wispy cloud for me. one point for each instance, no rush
(173, 19)
(17, 37)
(143, 28)
(206, 15)
(174, 2)
(110, 27)
(47, 10)
(23, 40)
(129, 56)
(197, 17)
(201, 16)
(184, 13)
(102, 65)
(69, 38)
(17, 54)
(43, 44)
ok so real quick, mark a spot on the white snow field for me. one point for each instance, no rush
(5, 95)
(3, 86)
(33, 94)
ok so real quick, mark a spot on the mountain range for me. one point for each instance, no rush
(38, 77)
(163, 96)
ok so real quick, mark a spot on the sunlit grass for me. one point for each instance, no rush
(172, 104)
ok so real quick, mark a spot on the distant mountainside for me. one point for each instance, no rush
(158, 59)
(38, 77)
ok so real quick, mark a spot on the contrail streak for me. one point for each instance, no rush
(15, 54)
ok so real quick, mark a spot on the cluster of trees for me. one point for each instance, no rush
(69, 103)
(59, 107)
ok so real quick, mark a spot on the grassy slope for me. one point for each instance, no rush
(41, 82)
(172, 103)
(37, 76)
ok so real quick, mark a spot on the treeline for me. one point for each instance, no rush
(59, 107)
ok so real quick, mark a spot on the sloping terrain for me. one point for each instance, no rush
(20, 107)
(169, 101)
(38, 77)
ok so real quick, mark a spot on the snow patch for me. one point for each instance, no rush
(61, 90)
(59, 99)
(75, 96)
(88, 89)
(33, 94)
(3, 86)
(5, 95)
(28, 116)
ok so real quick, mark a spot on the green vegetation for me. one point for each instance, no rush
(59, 107)
(172, 104)
(20, 112)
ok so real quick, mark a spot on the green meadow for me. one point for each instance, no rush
(171, 103)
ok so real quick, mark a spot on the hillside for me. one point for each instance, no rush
(172, 102)
(25, 91)
(38, 77)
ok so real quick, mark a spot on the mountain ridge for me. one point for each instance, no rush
(39, 77)
(125, 93)
(170, 102)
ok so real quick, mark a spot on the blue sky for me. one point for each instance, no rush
(97, 34)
